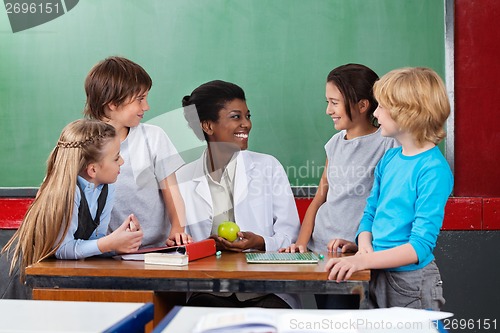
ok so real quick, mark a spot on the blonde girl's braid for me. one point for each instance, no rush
(80, 144)
(47, 220)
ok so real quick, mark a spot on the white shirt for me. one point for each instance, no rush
(222, 194)
(149, 157)
(263, 202)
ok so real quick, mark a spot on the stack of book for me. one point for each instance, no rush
(179, 255)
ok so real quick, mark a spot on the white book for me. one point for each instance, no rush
(159, 258)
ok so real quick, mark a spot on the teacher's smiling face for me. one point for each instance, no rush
(233, 125)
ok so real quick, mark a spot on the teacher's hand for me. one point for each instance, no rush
(246, 240)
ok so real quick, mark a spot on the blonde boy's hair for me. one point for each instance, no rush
(417, 101)
(47, 220)
(114, 80)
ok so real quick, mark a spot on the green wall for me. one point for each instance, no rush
(278, 51)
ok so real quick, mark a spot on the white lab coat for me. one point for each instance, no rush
(263, 202)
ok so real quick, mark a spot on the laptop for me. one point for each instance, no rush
(282, 258)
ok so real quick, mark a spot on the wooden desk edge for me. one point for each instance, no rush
(206, 268)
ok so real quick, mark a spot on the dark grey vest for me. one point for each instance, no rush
(87, 224)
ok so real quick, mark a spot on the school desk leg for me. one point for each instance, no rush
(164, 301)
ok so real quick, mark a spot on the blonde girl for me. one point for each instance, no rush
(70, 215)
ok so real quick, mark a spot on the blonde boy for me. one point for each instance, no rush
(405, 210)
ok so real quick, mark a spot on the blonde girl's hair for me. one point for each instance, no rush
(39, 235)
(114, 80)
(417, 101)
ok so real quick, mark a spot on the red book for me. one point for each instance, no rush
(190, 252)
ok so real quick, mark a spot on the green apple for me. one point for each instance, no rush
(228, 230)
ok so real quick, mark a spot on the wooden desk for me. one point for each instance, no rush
(229, 273)
(55, 316)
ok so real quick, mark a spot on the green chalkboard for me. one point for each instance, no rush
(279, 51)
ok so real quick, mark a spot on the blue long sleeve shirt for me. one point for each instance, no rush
(72, 248)
(406, 204)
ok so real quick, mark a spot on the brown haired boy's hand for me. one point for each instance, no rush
(178, 238)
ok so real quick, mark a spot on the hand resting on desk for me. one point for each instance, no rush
(335, 245)
(178, 237)
(343, 245)
(294, 248)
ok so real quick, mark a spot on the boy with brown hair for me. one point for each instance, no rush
(117, 90)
